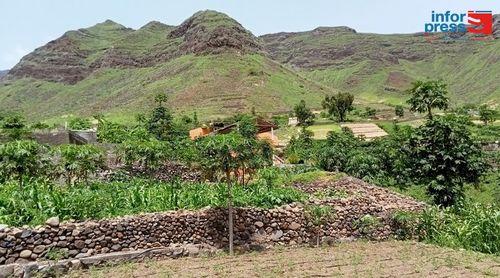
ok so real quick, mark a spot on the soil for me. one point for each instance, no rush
(355, 259)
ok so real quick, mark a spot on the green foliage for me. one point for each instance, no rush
(79, 123)
(370, 112)
(222, 154)
(333, 155)
(486, 114)
(405, 224)
(40, 200)
(305, 116)
(14, 126)
(78, 162)
(318, 214)
(426, 95)
(299, 148)
(367, 224)
(444, 156)
(399, 111)
(113, 132)
(471, 226)
(339, 105)
(22, 160)
(147, 155)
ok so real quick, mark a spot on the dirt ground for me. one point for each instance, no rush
(357, 259)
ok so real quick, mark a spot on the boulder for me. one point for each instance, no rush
(53, 221)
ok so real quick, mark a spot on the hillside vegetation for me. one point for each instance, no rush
(212, 65)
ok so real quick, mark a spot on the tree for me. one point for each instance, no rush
(160, 120)
(399, 111)
(443, 155)
(219, 154)
(21, 159)
(338, 105)
(486, 114)
(318, 215)
(426, 95)
(304, 115)
(78, 162)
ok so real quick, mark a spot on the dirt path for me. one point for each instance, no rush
(358, 259)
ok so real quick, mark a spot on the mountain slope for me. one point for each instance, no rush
(209, 64)
(379, 68)
(214, 66)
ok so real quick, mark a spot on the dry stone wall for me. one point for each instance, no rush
(254, 228)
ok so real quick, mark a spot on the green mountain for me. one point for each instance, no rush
(214, 66)
(379, 68)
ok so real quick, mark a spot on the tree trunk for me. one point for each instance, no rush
(230, 212)
(429, 112)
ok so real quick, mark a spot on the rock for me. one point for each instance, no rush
(80, 244)
(76, 264)
(259, 224)
(116, 247)
(39, 249)
(277, 235)
(294, 226)
(30, 269)
(53, 221)
(3, 227)
(25, 254)
(26, 233)
(192, 250)
(7, 270)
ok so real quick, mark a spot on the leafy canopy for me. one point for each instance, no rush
(339, 105)
(304, 115)
(427, 95)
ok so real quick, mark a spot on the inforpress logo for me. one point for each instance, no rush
(482, 22)
(474, 22)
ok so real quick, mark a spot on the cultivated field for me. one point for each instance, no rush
(356, 259)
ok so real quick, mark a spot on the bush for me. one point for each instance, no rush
(80, 124)
(23, 159)
(78, 162)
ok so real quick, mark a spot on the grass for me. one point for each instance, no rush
(36, 202)
(212, 85)
(355, 259)
(322, 127)
(379, 68)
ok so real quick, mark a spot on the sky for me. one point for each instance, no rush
(26, 25)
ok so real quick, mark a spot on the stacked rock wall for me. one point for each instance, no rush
(254, 227)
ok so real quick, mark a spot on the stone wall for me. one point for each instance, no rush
(254, 228)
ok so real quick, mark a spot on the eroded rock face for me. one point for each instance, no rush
(77, 54)
(213, 32)
(254, 227)
(60, 60)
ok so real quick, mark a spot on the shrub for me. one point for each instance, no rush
(23, 159)
(405, 224)
(147, 155)
(78, 162)
(318, 215)
(367, 224)
(79, 123)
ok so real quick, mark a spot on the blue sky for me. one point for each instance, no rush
(30, 24)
